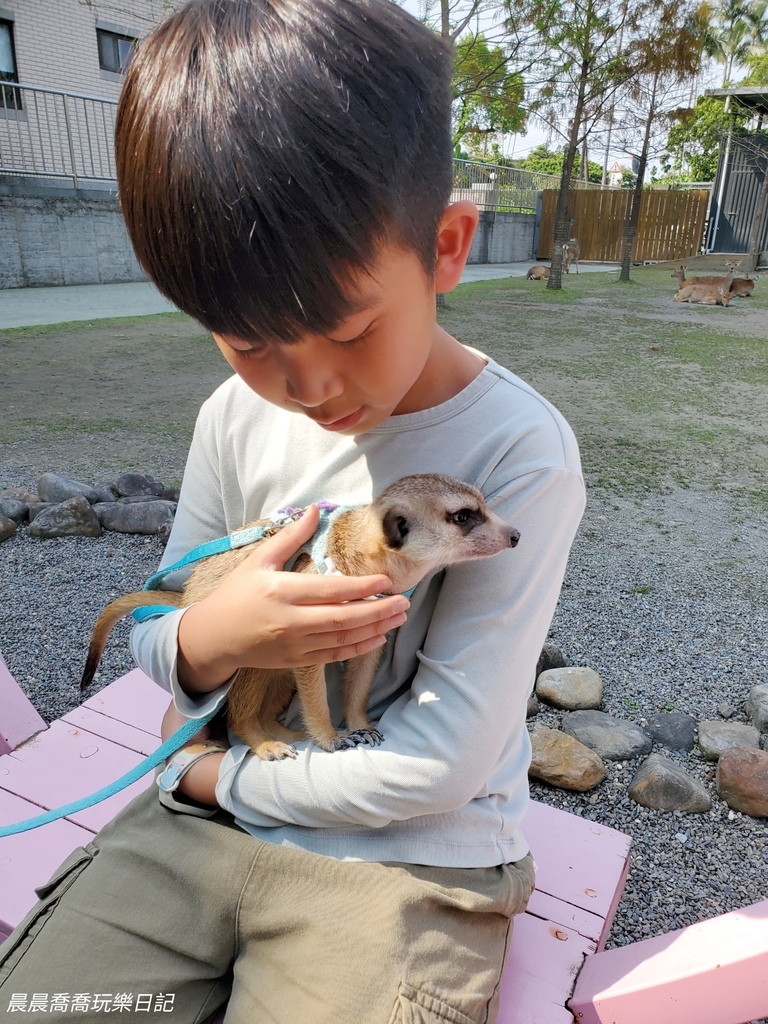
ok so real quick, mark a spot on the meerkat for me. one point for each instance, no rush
(417, 525)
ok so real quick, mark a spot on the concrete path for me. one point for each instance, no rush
(28, 307)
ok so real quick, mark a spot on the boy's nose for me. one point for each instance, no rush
(313, 387)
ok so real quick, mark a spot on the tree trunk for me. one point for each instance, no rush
(750, 264)
(629, 230)
(564, 206)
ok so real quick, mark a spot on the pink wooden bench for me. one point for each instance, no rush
(712, 973)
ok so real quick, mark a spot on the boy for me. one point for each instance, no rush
(285, 173)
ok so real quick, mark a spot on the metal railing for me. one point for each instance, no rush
(47, 133)
(504, 189)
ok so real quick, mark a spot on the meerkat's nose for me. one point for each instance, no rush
(514, 537)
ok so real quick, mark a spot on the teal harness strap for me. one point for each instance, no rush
(171, 745)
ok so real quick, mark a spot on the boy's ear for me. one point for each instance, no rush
(454, 238)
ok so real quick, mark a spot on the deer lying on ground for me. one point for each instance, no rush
(740, 286)
(537, 273)
(718, 292)
(571, 254)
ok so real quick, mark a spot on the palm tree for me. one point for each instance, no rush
(737, 29)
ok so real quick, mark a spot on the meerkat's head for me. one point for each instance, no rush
(432, 521)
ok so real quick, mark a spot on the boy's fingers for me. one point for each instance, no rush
(275, 551)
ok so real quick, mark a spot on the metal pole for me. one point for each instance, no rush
(71, 145)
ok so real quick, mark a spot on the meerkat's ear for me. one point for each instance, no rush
(395, 527)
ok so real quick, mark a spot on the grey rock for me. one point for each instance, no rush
(133, 499)
(757, 706)
(562, 761)
(171, 493)
(13, 509)
(726, 710)
(71, 518)
(147, 517)
(673, 730)
(573, 688)
(664, 786)
(742, 780)
(717, 737)
(106, 492)
(551, 657)
(39, 506)
(20, 494)
(137, 483)
(532, 709)
(613, 738)
(7, 528)
(54, 488)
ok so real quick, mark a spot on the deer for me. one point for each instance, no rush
(537, 273)
(718, 292)
(741, 286)
(571, 254)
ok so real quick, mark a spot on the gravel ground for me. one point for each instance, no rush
(664, 597)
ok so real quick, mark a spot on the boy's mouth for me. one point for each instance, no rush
(343, 423)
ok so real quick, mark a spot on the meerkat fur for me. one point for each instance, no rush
(416, 526)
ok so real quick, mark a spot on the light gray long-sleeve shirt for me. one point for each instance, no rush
(449, 784)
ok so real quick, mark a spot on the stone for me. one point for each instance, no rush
(673, 730)
(613, 738)
(7, 528)
(137, 483)
(20, 494)
(171, 493)
(146, 517)
(532, 709)
(54, 488)
(757, 706)
(106, 492)
(664, 786)
(13, 509)
(37, 507)
(726, 710)
(742, 780)
(132, 499)
(571, 688)
(551, 657)
(562, 761)
(717, 737)
(71, 518)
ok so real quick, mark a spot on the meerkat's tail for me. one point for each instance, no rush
(112, 614)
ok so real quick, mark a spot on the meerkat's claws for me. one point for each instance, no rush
(276, 751)
(367, 737)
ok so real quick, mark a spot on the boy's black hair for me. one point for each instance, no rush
(267, 148)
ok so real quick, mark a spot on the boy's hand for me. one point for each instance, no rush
(262, 617)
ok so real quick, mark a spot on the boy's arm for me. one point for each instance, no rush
(466, 708)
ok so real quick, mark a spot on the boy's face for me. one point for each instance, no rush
(388, 358)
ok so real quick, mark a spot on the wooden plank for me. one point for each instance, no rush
(543, 962)
(111, 729)
(19, 720)
(713, 972)
(66, 763)
(578, 860)
(30, 858)
(550, 908)
(134, 699)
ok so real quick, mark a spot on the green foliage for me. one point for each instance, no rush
(487, 93)
(693, 144)
(758, 70)
(547, 161)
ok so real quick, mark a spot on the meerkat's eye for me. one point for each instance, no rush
(462, 516)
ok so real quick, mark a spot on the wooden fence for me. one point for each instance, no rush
(670, 226)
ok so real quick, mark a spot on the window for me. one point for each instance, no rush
(115, 50)
(10, 99)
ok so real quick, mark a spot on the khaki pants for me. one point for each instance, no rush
(165, 916)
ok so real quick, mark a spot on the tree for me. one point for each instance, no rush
(487, 93)
(693, 143)
(583, 68)
(735, 30)
(547, 161)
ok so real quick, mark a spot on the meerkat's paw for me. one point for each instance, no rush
(275, 750)
(361, 737)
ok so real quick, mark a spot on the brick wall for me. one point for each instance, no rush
(56, 39)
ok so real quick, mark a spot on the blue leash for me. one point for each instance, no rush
(171, 745)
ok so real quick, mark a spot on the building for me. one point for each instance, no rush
(61, 71)
(74, 46)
